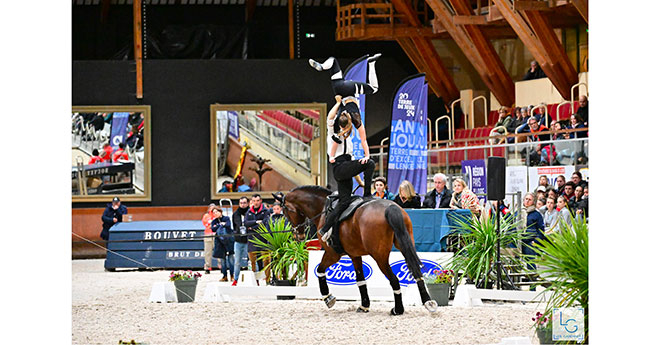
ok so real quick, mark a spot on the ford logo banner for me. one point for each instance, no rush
(343, 273)
(400, 269)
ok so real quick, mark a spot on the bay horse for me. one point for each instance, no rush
(371, 230)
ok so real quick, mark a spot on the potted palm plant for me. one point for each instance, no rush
(288, 257)
(185, 284)
(476, 259)
(563, 260)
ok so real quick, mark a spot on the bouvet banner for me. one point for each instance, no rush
(408, 157)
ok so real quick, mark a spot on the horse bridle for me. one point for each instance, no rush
(307, 223)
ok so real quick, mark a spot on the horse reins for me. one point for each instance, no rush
(307, 223)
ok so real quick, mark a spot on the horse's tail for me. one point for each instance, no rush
(395, 219)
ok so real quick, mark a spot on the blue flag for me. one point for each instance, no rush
(408, 157)
(118, 129)
(357, 71)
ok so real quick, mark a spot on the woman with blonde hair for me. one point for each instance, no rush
(463, 197)
(407, 198)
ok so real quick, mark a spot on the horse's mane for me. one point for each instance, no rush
(314, 189)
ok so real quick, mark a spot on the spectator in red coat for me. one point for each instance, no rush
(95, 157)
(120, 154)
(106, 155)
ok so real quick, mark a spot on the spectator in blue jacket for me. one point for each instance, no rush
(535, 228)
(380, 184)
(113, 214)
(223, 248)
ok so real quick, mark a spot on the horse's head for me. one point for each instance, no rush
(302, 206)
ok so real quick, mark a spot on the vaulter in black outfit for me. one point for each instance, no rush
(340, 151)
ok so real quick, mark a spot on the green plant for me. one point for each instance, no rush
(479, 238)
(439, 277)
(283, 251)
(563, 259)
(184, 275)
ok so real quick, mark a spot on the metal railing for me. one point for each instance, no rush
(485, 110)
(452, 133)
(277, 139)
(573, 97)
(437, 135)
(545, 107)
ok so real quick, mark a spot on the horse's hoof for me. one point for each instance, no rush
(330, 301)
(431, 305)
(362, 309)
(393, 312)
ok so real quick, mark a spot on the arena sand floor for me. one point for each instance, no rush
(112, 306)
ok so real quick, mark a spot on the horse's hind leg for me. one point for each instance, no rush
(327, 260)
(384, 266)
(362, 284)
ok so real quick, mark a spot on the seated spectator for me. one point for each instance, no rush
(407, 198)
(536, 127)
(551, 215)
(577, 180)
(503, 120)
(95, 158)
(583, 110)
(534, 72)
(526, 115)
(120, 154)
(561, 182)
(380, 183)
(464, 198)
(576, 123)
(556, 126)
(440, 196)
(516, 121)
(540, 116)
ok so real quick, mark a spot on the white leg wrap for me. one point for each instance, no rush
(337, 75)
(372, 78)
(398, 292)
(328, 63)
(320, 275)
(361, 282)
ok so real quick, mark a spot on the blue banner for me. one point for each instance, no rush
(233, 125)
(475, 176)
(408, 135)
(357, 71)
(118, 129)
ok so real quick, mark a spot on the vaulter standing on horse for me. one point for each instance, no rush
(340, 146)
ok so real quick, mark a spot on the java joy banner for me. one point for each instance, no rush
(408, 135)
(357, 71)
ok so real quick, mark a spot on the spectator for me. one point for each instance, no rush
(207, 219)
(95, 157)
(577, 197)
(440, 196)
(552, 193)
(556, 126)
(254, 217)
(551, 215)
(463, 198)
(223, 248)
(569, 190)
(249, 187)
(540, 117)
(107, 153)
(407, 198)
(543, 181)
(540, 192)
(504, 119)
(583, 110)
(536, 127)
(540, 205)
(564, 211)
(276, 214)
(544, 153)
(112, 215)
(226, 187)
(241, 242)
(516, 121)
(120, 154)
(561, 182)
(526, 115)
(577, 123)
(380, 183)
(583, 205)
(535, 227)
(577, 180)
(534, 72)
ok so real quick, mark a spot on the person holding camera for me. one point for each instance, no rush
(113, 214)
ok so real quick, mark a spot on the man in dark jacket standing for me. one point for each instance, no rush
(113, 214)
(440, 196)
(256, 215)
(241, 244)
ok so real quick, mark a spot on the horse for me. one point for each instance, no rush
(372, 230)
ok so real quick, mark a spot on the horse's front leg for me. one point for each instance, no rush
(362, 284)
(327, 260)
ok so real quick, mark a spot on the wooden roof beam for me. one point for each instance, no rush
(530, 5)
(470, 20)
(582, 6)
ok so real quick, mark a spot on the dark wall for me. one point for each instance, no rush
(180, 93)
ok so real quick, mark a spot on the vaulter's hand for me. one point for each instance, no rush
(338, 98)
(364, 160)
